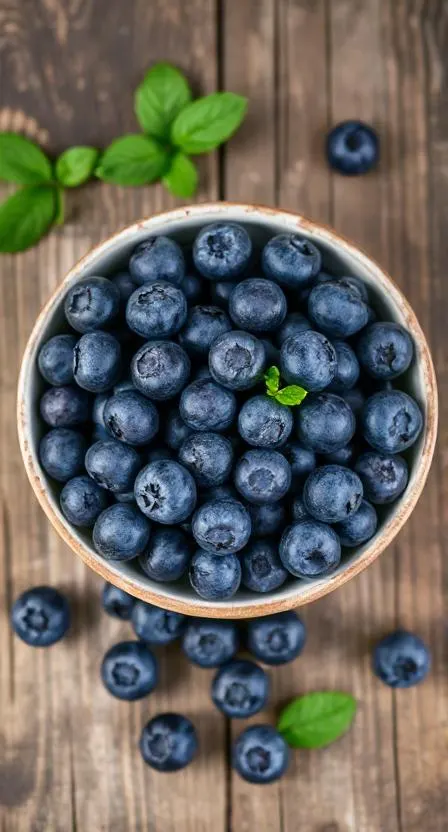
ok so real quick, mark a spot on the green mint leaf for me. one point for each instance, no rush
(161, 96)
(272, 379)
(317, 719)
(208, 122)
(76, 165)
(60, 207)
(26, 216)
(181, 178)
(291, 395)
(133, 160)
(22, 161)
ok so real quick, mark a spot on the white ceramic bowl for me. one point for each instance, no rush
(338, 255)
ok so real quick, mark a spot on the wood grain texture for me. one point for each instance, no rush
(68, 758)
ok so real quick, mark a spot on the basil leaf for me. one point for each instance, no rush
(26, 216)
(22, 161)
(76, 165)
(133, 160)
(291, 395)
(272, 379)
(317, 719)
(182, 177)
(160, 97)
(208, 122)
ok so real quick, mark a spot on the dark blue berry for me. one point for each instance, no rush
(91, 304)
(301, 460)
(125, 285)
(262, 476)
(116, 602)
(166, 492)
(257, 305)
(82, 501)
(260, 755)
(337, 309)
(391, 421)
(204, 324)
(355, 283)
(176, 431)
(298, 510)
(401, 659)
(308, 359)
(215, 577)
(332, 493)
(192, 287)
(385, 350)
(291, 260)
(129, 670)
(267, 519)
(168, 742)
(352, 148)
(210, 642)
(64, 407)
(157, 258)
(55, 360)
(294, 324)
(156, 310)
(262, 568)
(62, 452)
(131, 418)
(347, 368)
(99, 403)
(240, 689)
(222, 251)
(40, 616)
(383, 476)
(310, 549)
(208, 456)
(221, 526)
(221, 291)
(156, 626)
(276, 639)
(355, 399)
(343, 456)
(359, 527)
(237, 360)
(325, 423)
(265, 423)
(97, 361)
(162, 452)
(121, 532)
(160, 369)
(205, 405)
(113, 465)
(167, 555)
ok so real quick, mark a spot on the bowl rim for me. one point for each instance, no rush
(260, 605)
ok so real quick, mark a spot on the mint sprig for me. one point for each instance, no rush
(291, 395)
(317, 719)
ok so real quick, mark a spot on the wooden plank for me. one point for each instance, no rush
(68, 755)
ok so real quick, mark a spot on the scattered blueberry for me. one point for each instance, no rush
(165, 491)
(240, 689)
(391, 421)
(210, 642)
(355, 399)
(347, 368)
(385, 350)
(62, 452)
(308, 359)
(215, 577)
(208, 456)
(125, 285)
(121, 532)
(168, 742)
(113, 465)
(276, 639)
(157, 258)
(294, 324)
(222, 251)
(332, 493)
(129, 670)
(325, 423)
(359, 527)
(257, 305)
(401, 659)
(352, 148)
(99, 403)
(265, 423)
(298, 509)
(337, 309)
(383, 476)
(204, 324)
(191, 286)
(91, 304)
(205, 405)
(160, 369)
(237, 360)
(262, 569)
(221, 526)
(301, 460)
(154, 625)
(156, 310)
(343, 456)
(55, 360)
(82, 501)
(64, 407)
(167, 556)
(97, 361)
(260, 754)
(262, 476)
(116, 602)
(267, 519)
(176, 430)
(291, 260)
(221, 291)
(131, 417)
(40, 616)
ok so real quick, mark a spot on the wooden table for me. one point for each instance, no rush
(68, 756)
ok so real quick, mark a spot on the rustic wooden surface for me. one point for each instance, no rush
(68, 758)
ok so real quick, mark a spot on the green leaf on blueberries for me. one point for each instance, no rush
(291, 395)
(272, 379)
(317, 719)
(161, 96)
(208, 122)
(133, 160)
(76, 165)
(181, 178)
(22, 161)
(26, 216)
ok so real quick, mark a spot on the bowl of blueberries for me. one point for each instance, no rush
(227, 410)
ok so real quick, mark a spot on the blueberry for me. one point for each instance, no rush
(291, 260)
(257, 305)
(157, 258)
(262, 476)
(337, 309)
(310, 549)
(154, 625)
(240, 689)
(301, 460)
(161, 452)
(176, 431)
(205, 405)
(62, 452)
(210, 642)
(121, 532)
(165, 491)
(262, 568)
(355, 399)
(125, 285)
(237, 360)
(168, 742)
(82, 501)
(343, 456)
(347, 368)
(357, 284)
(202, 372)
(160, 369)
(383, 476)
(276, 639)
(352, 148)
(191, 286)
(325, 423)
(156, 310)
(113, 465)
(123, 386)
(221, 291)
(260, 754)
(99, 434)
(99, 403)
(131, 418)
(167, 555)
(222, 251)
(218, 492)
(298, 510)
(294, 324)
(204, 324)
(40, 616)
(271, 352)
(359, 527)
(321, 277)
(391, 421)
(55, 360)
(97, 361)
(401, 659)
(332, 493)
(308, 359)
(64, 407)
(267, 518)
(116, 602)
(385, 350)
(221, 526)
(129, 670)
(215, 577)
(91, 304)
(125, 497)
(208, 456)
(265, 423)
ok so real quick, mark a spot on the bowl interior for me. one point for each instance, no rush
(339, 257)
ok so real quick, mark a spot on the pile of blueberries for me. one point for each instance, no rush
(239, 688)
(163, 435)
